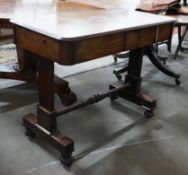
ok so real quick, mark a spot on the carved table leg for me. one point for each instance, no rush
(61, 88)
(133, 77)
(27, 70)
(154, 59)
(45, 123)
(180, 38)
(28, 63)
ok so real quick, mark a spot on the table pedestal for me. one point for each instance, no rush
(45, 123)
(134, 92)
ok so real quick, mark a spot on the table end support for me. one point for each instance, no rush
(139, 98)
(62, 143)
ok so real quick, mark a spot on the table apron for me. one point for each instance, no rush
(80, 50)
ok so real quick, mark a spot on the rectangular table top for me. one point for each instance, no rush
(68, 20)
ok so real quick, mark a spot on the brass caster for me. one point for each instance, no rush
(67, 98)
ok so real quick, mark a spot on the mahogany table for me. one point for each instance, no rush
(73, 33)
(7, 9)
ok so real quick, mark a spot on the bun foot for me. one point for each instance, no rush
(67, 98)
(66, 160)
(30, 134)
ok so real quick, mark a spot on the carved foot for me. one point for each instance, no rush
(62, 143)
(145, 101)
(30, 134)
(67, 98)
(61, 88)
(140, 99)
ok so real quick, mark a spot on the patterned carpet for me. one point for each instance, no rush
(7, 53)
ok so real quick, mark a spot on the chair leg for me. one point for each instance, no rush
(115, 58)
(117, 72)
(169, 44)
(120, 71)
(185, 2)
(181, 38)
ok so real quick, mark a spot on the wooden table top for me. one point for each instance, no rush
(73, 19)
(68, 20)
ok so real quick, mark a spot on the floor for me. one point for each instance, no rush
(110, 137)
